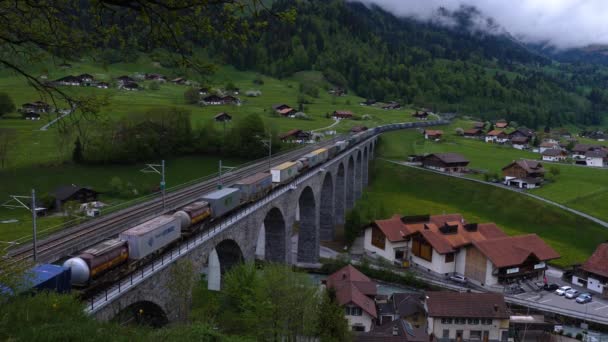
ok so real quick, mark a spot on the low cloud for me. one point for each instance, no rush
(560, 23)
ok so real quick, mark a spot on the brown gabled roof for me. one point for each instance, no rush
(519, 140)
(398, 330)
(466, 305)
(290, 133)
(473, 131)
(433, 132)
(479, 124)
(286, 110)
(495, 133)
(553, 152)
(514, 250)
(449, 157)
(548, 144)
(352, 286)
(585, 147)
(598, 262)
(502, 124)
(530, 166)
(348, 293)
(393, 228)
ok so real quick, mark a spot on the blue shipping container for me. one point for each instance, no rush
(50, 277)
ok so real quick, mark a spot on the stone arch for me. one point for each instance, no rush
(275, 249)
(144, 312)
(365, 167)
(340, 195)
(358, 178)
(308, 236)
(221, 259)
(350, 183)
(326, 216)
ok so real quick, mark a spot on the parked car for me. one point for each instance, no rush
(584, 298)
(572, 293)
(562, 290)
(458, 278)
(551, 287)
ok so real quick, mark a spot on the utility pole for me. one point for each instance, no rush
(153, 168)
(221, 168)
(268, 144)
(32, 208)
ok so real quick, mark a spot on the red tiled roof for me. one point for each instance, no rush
(501, 124)
(495, 133)
(598, 262)
(490, 230)
(433, 132)
(289, 133)
(352, 286)
(473, 131)
(514, 250)
(466, 305)
(348, 293)
(393, 228)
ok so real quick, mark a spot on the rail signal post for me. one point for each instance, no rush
(153, 168)
(32, 207)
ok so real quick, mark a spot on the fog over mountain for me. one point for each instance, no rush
(562, 24)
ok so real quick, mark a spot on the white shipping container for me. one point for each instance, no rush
(151, 236)
(284, 172)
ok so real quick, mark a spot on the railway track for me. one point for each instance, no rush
(73, 239)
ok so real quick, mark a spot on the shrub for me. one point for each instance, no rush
(459, 131)
(366, 117)
(191, 96)
(6, 104)
(154, 85)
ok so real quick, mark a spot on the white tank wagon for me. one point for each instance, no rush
(95, 261)
(192, 214)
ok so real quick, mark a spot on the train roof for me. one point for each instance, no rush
(254, 179)
(220, 193)
(150, 225)
(42, 273)
(283, 166)
(103, 247)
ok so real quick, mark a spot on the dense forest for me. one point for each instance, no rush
(453, 69)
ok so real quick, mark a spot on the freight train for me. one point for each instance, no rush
(136, 245)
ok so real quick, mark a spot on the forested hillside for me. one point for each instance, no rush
(450, 69)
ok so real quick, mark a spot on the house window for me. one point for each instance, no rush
(449, 257)
(473, 320)
(475, 335)
(358, 328)
(487, 321)
(460, 321)
(422, 249)
(353, 311)
(399, 254)
(446, 333)
(378, 238)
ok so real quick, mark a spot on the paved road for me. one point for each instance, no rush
(502, 186)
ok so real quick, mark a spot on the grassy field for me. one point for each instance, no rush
(582, 188)
(407, 191)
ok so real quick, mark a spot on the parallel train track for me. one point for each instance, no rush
(70, 240)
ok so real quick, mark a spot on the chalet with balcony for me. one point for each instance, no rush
(342, 114)
(453, 316)
(423, 116)
(66, 193)
(593, 274)
(445, 162)
(497, 137)
(295, 136)
(473, 133)
(433, 134)
(554, 155)
(520, 142)
(524, 174)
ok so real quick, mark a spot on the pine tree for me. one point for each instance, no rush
(77, 154)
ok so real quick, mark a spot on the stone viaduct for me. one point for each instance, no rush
(317, 201)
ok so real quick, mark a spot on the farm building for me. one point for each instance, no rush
(295, 135)
(446, 244)
(520, 142)
(525, 174)
(445, 162)
(501, 124)
(433, 134)
(391, 105)
(342, 114)
(554, 155)
(222, 117)
(421, 115)
(73, 192)
(473, 133)
(496, 136)
(593, 274)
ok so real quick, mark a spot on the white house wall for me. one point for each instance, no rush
(461, 260)
(365, 320)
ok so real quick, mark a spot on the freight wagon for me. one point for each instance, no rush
(151, 236)
(95, 261)
(48, 277)
(192, 214)
(284, 172)
(316, 157)
(255, 186)
(223, 201)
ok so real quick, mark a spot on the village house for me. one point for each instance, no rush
(524, 174)
(445, 162)
(473, 133)
(30, 116)
(593, 274)
(480, 125)
(496, 136)
(454, 316)
(86, 79)
(102, 85)
(406, 306)
(211, 100)
(73, 192)
(446, 244)
(37, 107)
(342, 114)
(433, 134)
(368, 102)
(421, 115)
(222, 117)
(203, 91)
(545, 145)
(131, 86)
(501, 124)
(295, 136)
(391, 105)
(122, 80)
(283, 109)
(155, 77)
(554, 155)
(355, 292)
(519, 142)
(590, 155)
(231, 100)
(68, 81)
(522, 132)
(597, 158)
(180, 81)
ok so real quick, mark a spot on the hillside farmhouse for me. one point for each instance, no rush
(524, 174)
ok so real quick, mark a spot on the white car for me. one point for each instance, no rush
(562, 290)
(572, 293)
(458, 278)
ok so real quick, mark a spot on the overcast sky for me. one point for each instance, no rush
(564, 23)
